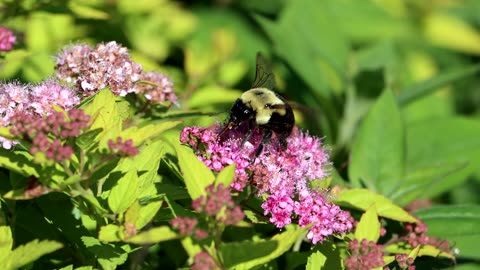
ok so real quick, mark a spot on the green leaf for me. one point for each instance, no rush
(70, 267)
(139, 135)
(368, 227)
(6, 241)
(316, 261)
(154, 235)
(418, 182)
(146, 163)
(124, 193)
(28, 253)
(303, 36)
(5, 132)
(109, 256)
(377, 158)
(87, 139)
(20, 162)
(378, 55)
(105, 116)
(196, 175)
(423, 250)
(458, 224)
(429, 86)
(241, 252)
(449, 142)
(248, 254)
(363, 198)
(141, 215)
(110, 233)
(212, 94)
(226, 176)
(428, 250)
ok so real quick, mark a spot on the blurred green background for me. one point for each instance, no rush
(331, 58)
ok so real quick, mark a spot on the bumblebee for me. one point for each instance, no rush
(260, 108)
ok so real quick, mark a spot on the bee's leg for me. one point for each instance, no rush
(251, 127)
(266, 138)
(282, 138)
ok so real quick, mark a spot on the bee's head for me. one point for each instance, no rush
(239, 113)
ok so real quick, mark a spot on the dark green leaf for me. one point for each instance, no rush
(377, 159)
(429, 86)
(450, 142)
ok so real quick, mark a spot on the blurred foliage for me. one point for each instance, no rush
(333, 60)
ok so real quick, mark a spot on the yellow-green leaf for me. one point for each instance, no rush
(363, 198)
(368, 227)
(154, 235)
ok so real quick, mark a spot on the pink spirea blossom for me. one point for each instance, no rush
(203, 261)
(49, 93)
(218, 198)
(33, 100)
(283, 176)
(416, 234)
(109, 65)
(14, 98)
(365, 255)
(7, 39)
(159, 89)
(92, 69)
(123, 148)
(36, 130)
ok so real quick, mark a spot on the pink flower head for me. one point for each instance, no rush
(36, 129)
(50, 92)
(123, 148)
(108, 65)
(7, 39)
(14, 99)
(284, 176)
(365, 255)
(157, 87)
(203, 261)
(219, 198)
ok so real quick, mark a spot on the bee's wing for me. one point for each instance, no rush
(263, 76)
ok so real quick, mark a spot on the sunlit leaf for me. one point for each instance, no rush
(363, 198)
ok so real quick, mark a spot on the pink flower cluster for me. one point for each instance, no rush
(123, 148)
(416, 234)
(109, 65)
(34, 100)
(405, 262)
(217, 206)
(187, 226)
(282, 175)
(37, 129)
(203, 261)
(7, 39)
(215, 201)
(365, 255)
